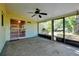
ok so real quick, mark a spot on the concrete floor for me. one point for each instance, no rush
(38, 47)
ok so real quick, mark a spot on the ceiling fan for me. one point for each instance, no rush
(37, 12)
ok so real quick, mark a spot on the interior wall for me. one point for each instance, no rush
(2, 38)
(2, 30)
(31, 29)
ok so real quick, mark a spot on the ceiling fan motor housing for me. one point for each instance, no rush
(37, 12)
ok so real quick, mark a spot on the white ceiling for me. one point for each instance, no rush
(53, 9)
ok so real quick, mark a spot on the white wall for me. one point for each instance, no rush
(31, 30)
(2, 35)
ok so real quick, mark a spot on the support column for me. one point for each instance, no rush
(64, 29)
(52, 36)
(37, 28)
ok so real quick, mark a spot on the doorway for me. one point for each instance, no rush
(59, 30)
(17, 29)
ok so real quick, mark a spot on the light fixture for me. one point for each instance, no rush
(19, 21)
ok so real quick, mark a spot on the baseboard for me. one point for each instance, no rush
(13, 40)
(22, 38)
(45, 36)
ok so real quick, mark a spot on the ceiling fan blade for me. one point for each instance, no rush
(43, 13)
(40, 16)
(33, 15)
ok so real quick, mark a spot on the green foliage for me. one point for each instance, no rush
(58, 24)
(49, 26)
(70, 23)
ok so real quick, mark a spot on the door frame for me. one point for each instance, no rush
(10, 31)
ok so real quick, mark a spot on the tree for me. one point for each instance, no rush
(49, 26)
(70, 23)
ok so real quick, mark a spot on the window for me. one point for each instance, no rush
(71, 28)
(45, 28)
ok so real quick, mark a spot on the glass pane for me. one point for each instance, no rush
(58, 28)
(71, 26)
(17, 28)
(45, 28)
